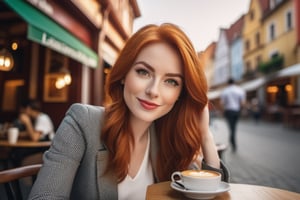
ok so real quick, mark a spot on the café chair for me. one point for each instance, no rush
(221, 148)
(11, 179)
(226, 172)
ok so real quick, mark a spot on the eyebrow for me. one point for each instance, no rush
(152, 69)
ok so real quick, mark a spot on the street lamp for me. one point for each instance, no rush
(63, 80)
(6, 60)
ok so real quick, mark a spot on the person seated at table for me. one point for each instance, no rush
(155, 122)
(36, 125)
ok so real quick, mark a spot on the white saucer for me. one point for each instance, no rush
(193, 194)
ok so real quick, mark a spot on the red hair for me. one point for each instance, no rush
(178, 131)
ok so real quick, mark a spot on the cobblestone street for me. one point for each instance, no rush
(267, 154)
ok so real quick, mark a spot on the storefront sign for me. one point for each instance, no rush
(45, 31)
(50, 41)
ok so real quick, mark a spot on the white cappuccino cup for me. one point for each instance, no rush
(198, 180)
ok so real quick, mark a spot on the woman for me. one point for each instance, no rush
(155, 122)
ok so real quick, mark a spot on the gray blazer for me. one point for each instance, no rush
(74, 164)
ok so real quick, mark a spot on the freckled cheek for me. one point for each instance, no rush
(170, 97)
(134, 85)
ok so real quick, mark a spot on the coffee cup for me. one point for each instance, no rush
(198, 180)
(13, 134)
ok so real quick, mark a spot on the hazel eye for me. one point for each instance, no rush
(172, 82)
(143, 72)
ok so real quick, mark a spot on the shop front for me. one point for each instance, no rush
(276, 92)
(54, 58)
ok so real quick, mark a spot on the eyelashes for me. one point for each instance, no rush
(172, 82)
(142, 72)
(145, 73)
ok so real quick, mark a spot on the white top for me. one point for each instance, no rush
(44, 124)
(135, 188)
(232, 97)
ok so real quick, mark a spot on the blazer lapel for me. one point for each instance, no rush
(107, 183)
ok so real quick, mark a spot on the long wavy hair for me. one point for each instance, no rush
(178, 131)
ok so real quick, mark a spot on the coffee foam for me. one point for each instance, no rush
(200, 173)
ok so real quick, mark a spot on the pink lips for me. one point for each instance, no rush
(147, 105)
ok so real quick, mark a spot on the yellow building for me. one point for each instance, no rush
(279, 32)
(253, 36)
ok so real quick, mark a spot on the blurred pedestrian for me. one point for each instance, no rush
(233, 98)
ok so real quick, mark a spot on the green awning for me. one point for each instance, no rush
(43, 30)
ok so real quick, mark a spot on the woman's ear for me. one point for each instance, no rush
(122, 82)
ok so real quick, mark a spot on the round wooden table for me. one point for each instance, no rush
(6, 149)
(25, 143)
(237, 192)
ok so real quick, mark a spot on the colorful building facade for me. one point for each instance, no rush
(270, 47)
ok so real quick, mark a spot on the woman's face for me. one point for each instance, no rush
(154, 82)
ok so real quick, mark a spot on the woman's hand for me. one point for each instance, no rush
(208, 145)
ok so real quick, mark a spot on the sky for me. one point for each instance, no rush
(201, 20)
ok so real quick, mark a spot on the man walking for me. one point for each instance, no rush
(233, 98)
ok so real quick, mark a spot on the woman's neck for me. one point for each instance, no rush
(139, 129)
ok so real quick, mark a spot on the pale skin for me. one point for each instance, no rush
(209, 149)
(151, 88)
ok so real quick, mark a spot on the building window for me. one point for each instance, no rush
(289, 23)
(248, 66)
(251, 15)
(247, 45)
(274, 54)
(274, 3)
(271, 32)
(258, 60)
(257, 39)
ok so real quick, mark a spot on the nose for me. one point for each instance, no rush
(152, 89)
